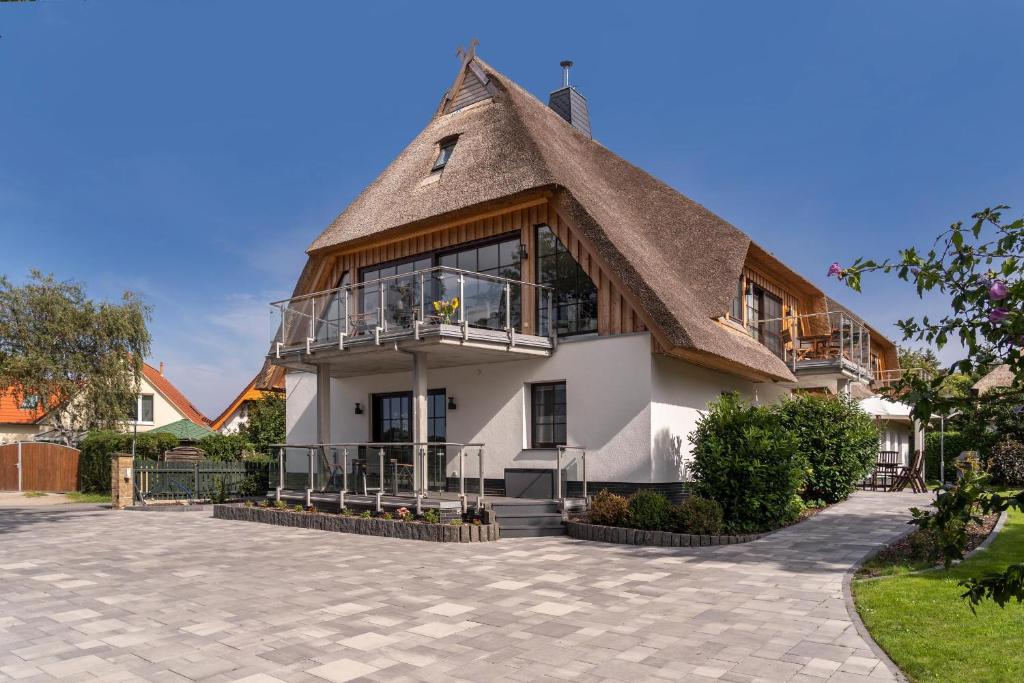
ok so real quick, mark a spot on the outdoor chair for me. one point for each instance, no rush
(911, 476)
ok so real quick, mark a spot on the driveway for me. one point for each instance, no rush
(181, 596)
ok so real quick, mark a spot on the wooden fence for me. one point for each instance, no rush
(204, 480)
(38, 466)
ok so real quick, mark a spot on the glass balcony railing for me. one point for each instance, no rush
(407, 304)
(833, 340)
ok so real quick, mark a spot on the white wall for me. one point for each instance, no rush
(680, 394)
(630, 409)
(896, 436)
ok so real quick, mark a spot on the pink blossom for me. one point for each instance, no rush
(834, 269)
(998, 291)
(998, 315)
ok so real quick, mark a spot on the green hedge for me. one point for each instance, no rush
(226, 447)
(745, 459)
(839, 440)
(955, 443)
(98, 446)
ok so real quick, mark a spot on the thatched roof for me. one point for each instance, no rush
(999, 378)
(678, 259)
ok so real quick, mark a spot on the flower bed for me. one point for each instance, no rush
(411, 530)
(623, 535)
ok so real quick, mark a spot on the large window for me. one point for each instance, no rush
(548, 410)
(575, 304)
(484, 299)
(764, 317)
(484, 303)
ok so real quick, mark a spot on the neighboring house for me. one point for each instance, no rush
(1000, 377)
(20, 420)
(161, 403)
(597, 306)
(269, 380)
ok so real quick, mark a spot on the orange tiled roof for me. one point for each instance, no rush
(11, 411)
(172, 394)
(269, 380)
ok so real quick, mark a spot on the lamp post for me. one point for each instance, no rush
(942, 445)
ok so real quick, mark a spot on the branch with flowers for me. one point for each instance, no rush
(978, 267)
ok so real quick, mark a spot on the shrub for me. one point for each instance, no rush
(432, 516)
(744, 459)
(697, 515)
(839, 440)
(226, 447)
(954, 443)
(649, 510)
(608, 509)
(98, 446)
(1006, 464)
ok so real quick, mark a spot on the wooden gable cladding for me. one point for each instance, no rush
(615, 313)
(474, 88)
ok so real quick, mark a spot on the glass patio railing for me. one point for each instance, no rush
(407, 304)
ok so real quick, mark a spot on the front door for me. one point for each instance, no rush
(391, 419)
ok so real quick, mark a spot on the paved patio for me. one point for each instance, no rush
(118, 596)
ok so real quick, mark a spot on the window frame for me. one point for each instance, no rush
(562, 301)
(441, 160)
(553, 423)
(138, 409)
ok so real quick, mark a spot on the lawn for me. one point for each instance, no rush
(79, 497)
(931, 634)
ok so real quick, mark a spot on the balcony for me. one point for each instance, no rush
(820, 348)
(456, 316)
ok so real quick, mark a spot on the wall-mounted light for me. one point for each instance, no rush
(451, 403)
(359, 408)
(523, 252)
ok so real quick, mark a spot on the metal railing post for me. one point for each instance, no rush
(583, 469)
(508, 307)
(423, 300)
(551, 314)
(344, 470)
(394, 475)
(480, 500)
(309, 480)
(348, 295)
(380, 308)
(280, 473)
(380, 488)
(558, 474)
(462, 298)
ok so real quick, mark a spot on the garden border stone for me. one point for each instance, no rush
(443, 533)
(666, 539)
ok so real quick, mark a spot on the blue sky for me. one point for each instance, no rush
(191, 151)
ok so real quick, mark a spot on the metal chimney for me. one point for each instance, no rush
(570, 104)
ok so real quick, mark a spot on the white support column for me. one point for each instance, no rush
(419, 414)
(323, 405)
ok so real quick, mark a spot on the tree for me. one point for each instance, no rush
(80, 361)
(919, 359)
(265, 425)
(978, 268)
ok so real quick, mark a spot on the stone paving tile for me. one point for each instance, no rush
(109, 596)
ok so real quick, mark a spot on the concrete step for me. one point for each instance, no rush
(531, 532)
(526, 507)
(547, 519)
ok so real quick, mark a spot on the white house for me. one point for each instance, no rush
(510, 282)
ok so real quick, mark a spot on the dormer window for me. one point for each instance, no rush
(445, 149)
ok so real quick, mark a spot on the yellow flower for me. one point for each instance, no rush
(437, 306)
(455, 303)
